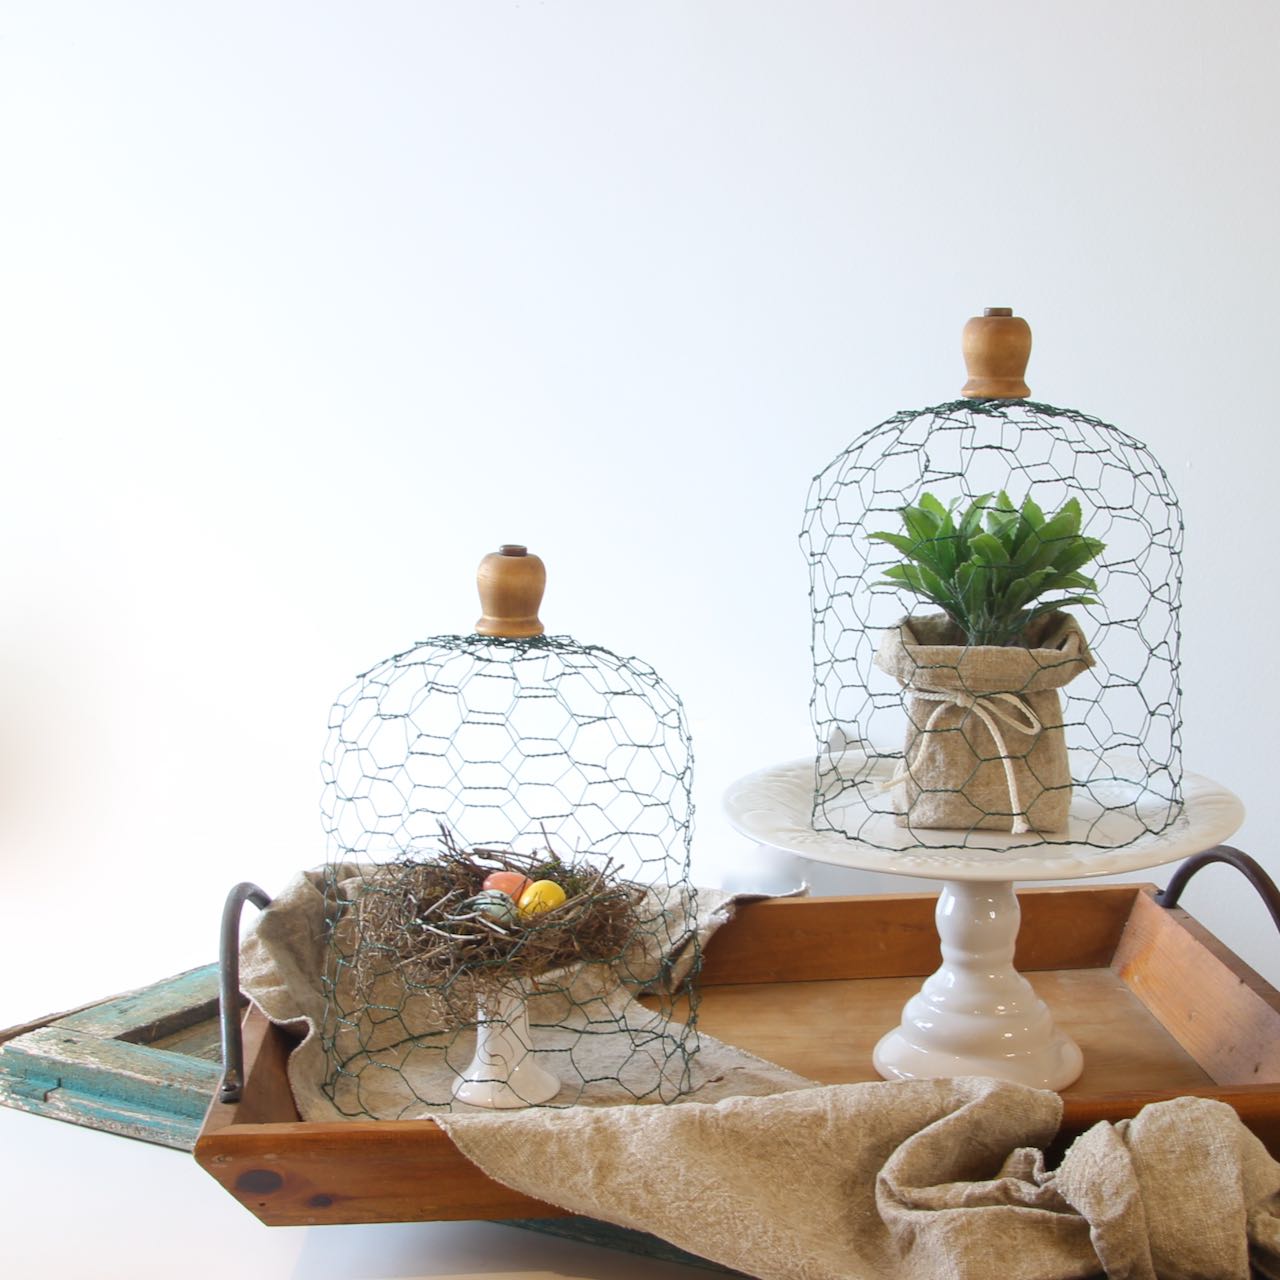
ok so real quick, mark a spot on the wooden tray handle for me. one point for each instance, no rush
(230, 1001)
(1248, 867)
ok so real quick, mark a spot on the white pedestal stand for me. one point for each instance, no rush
(977, 1015)
(504, 1073)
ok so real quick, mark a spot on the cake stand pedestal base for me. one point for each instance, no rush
(977, 1015)
(504, 1073)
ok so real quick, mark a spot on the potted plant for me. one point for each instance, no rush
(985, 743)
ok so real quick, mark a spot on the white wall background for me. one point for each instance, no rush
(304, 307)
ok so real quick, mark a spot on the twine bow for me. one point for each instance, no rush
(990, 708)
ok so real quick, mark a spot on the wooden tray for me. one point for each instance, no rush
(1159, 1006)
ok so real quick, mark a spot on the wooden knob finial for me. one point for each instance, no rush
(997, 345)
(511, 583)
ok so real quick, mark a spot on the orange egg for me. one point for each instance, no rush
(540, 896)
(512, 883)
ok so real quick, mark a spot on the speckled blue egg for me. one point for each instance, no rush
(494, 905)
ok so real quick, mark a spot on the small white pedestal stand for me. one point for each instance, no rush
(504, 1073)
(977, 1015)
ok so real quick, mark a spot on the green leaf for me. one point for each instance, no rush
(1050, 541)
(1069, 582)
(927, 526)
(1002, 518)
(1071, 510)
(926, 553)
(987, 578)
(906, 545)
(990, 548)
(1050, 605)
(920, 523)
(1077, 553)
(921, 581)
(972, 521)
(1021, 590)
(974, 596)
(1030, 518)
(931, 504)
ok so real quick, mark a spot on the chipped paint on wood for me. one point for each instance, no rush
(143, 1064)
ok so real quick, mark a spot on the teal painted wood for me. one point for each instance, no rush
(144, 1016)
(136, 1076)
(143, 1064)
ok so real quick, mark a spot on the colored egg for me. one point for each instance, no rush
(512, 883)
(494, 905)
(540, 896)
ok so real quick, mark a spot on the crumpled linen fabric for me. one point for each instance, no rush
(915, 1180)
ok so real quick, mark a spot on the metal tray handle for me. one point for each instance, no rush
(1248, 867)
(229, 987)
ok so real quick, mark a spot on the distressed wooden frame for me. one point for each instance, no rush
(143, 1064)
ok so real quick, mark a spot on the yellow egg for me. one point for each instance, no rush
(541, 895)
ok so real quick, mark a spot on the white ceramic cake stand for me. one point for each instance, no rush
(504, 1072)
(977, 1015)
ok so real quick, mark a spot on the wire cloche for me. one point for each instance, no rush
(509, 818)
(995, 590)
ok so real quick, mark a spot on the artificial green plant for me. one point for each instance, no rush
(985, 570)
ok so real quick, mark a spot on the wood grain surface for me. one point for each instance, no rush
(1159, 1007)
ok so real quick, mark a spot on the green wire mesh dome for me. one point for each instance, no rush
(1120, 716)
(516, 753)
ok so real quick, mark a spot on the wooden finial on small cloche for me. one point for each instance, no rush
(997, 345)
(511, 583)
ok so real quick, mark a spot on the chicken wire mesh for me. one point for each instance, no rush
(536, 758)
(926, 738)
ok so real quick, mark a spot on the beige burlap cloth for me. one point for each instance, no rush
(985, 744)
(763, 1171)
(931, 1179)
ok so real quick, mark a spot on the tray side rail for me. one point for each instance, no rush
(810, 939)
(288, 1173)
(1219, 1009)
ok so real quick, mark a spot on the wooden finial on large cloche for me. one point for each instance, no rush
(997, 345)
(511, 583)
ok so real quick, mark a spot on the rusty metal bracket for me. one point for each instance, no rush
(1248, 867)
(229, 1002)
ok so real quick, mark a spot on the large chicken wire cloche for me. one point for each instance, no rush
(995, 590)
(509, 818)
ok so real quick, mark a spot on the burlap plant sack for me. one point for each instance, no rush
(985, 743)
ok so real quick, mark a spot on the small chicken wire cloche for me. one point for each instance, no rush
(995, 587)
(509, 818)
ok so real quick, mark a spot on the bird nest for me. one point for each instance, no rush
(415, 921)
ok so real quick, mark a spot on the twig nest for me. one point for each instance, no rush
(448, 926)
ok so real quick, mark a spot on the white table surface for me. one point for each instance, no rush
(85, 1205)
